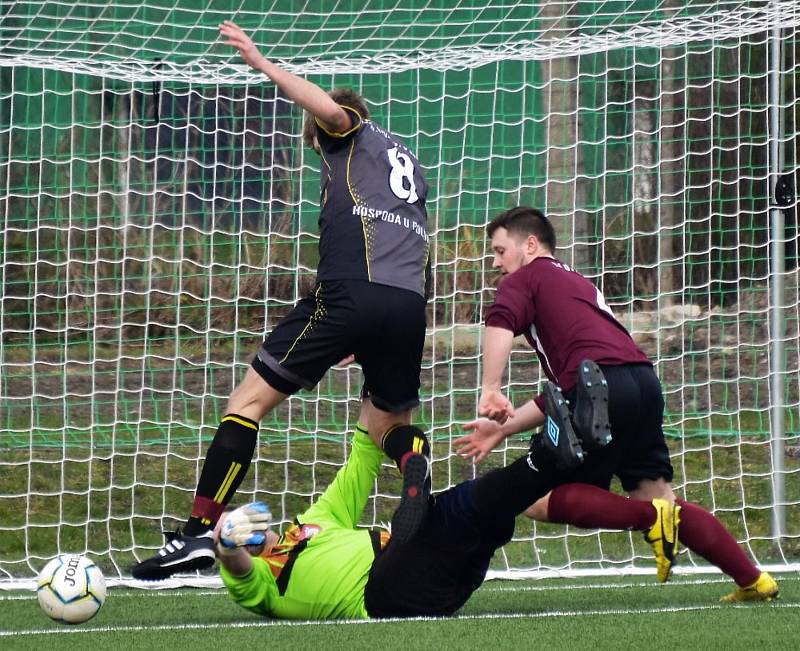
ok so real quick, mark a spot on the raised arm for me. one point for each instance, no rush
(301, 91)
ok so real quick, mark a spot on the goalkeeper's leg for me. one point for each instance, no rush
(554, 457)
(408, 447)
(445, 562)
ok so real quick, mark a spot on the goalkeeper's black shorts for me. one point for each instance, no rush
(444, 563)
(384, 327)
(637, 450)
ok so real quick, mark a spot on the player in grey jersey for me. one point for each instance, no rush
(368, 302)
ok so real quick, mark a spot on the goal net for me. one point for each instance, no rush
(159, 216)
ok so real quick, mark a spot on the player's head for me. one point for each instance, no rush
(343, 97)
(518, 236)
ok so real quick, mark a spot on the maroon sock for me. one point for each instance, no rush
(589, 507)
(705, 535)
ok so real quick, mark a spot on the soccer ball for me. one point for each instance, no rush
(71, 589)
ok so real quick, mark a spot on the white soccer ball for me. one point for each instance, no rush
(71, 589)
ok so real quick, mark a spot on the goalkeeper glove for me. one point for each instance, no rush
(244, 526)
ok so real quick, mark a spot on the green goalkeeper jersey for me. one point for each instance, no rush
(320, 566)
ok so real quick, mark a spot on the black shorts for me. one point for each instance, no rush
(384, 327)
(637, 450)
(437, 571)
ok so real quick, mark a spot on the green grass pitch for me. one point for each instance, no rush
(575, 614)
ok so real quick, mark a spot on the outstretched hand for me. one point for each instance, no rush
(485, 436)
(242, 42)
(495, 406)
(247, 525)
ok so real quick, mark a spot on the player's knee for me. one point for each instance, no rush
(650, 489)
(383, 419)
(251, 408)
(253, 397)
(380, 422)
(538, 510)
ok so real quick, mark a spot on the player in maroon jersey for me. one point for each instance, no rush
(588, 354)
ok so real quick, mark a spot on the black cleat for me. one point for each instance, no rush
(557, 444)
(590, 414)
(180, 554)
(410, 514)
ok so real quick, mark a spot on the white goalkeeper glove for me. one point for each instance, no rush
(244, 526)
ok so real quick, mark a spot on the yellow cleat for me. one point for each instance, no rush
(764, 588)
(663, 536)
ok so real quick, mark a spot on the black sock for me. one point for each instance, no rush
(402, 441)
(226, 464)
(507, 492)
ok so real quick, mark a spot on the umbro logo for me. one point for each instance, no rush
(553, 430)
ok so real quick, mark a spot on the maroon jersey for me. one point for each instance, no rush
(564, 317)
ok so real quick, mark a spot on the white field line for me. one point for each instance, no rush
(489, 587)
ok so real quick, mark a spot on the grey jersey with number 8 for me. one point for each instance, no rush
(373, 223)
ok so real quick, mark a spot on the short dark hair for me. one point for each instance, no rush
(343, 97)
(523, 221)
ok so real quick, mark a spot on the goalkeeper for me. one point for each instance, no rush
(323, 567)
